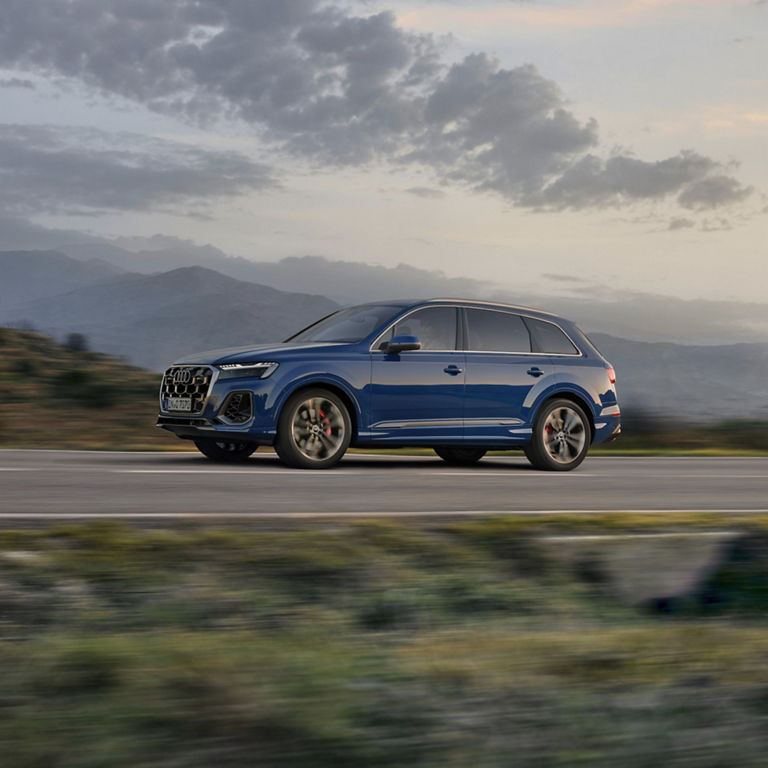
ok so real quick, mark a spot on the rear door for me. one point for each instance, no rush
(417, 395)
(501, 371)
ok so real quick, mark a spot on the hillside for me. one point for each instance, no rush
(150, 320)
(54, 397)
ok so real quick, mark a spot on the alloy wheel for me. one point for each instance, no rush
(564, 434)
(318, 429)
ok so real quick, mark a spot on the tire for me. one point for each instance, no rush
(561, 437)
(314, 430)
(225, 450)
(460, 455)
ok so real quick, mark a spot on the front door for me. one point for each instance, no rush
(417, 395)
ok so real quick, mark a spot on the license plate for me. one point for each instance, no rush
(178, 404)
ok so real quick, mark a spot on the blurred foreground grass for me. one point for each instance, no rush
(372, 644)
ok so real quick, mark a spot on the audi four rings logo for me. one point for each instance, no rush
(182, 376)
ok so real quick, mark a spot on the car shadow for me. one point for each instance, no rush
(372, 461)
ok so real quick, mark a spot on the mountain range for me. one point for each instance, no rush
(150, 320)
(596, 305)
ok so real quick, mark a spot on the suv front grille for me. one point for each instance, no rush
(187, 381)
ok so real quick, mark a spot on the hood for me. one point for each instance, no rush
(253, 353)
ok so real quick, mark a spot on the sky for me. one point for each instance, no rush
(540, 144)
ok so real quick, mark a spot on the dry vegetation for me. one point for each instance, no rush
(55, 397)
(371, 645)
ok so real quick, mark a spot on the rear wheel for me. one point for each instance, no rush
(561, 437)
(460, 455)
(225, 450)
(314, 430)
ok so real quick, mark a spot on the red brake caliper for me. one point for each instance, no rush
(325, 421)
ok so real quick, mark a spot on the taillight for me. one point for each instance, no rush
(611, 375)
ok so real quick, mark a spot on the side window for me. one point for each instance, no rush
(497, 332)
(435, 327)
(548, 338)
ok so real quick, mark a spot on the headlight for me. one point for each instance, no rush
(249, 370)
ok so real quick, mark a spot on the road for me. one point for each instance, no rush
(78, 484)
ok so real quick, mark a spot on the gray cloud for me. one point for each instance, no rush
(428, 193)
(622, 179)
(17, 82)
(48, 169)
(718, 224)
(322, 83)
(713, 192)
(557, 278)
(680, 223)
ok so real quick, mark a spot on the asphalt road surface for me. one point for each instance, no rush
(70, 484)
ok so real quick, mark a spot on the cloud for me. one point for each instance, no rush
(680, 223)
(717, 224)
(563, 278)
(713, 192)
(45, 169)
(17, 82)
(591, 181)
(319, 82)
(428, 193)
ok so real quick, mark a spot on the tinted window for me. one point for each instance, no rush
(497, 332)
(350, 325)
(550, 339)
(435, 327)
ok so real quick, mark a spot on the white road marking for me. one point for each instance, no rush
(506, 473)
(243, 471)
(479, 472)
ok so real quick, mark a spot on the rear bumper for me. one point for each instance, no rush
(194, 428)
(607, 428)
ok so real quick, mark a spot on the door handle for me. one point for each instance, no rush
(535, 372)
(453, 370)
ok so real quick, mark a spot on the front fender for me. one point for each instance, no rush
(315, 380)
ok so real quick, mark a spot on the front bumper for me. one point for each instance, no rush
(195, 427)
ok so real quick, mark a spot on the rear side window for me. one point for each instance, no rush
(497, 332)
(548, 338)
(435, 327)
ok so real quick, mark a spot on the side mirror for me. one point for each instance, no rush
(399, 344)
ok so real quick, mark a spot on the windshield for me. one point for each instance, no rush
(348, 325)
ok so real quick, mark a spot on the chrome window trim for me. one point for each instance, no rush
(521, 315)
(527, 354)
(510, 311)
(214, 376)
(373, 347)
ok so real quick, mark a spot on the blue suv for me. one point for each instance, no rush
(461, 377)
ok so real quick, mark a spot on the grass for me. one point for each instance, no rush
(372, 644)
(55, 397)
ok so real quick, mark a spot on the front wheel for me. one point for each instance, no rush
(561, 437)
(460, 455)
(225, 450)
(314, 430)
